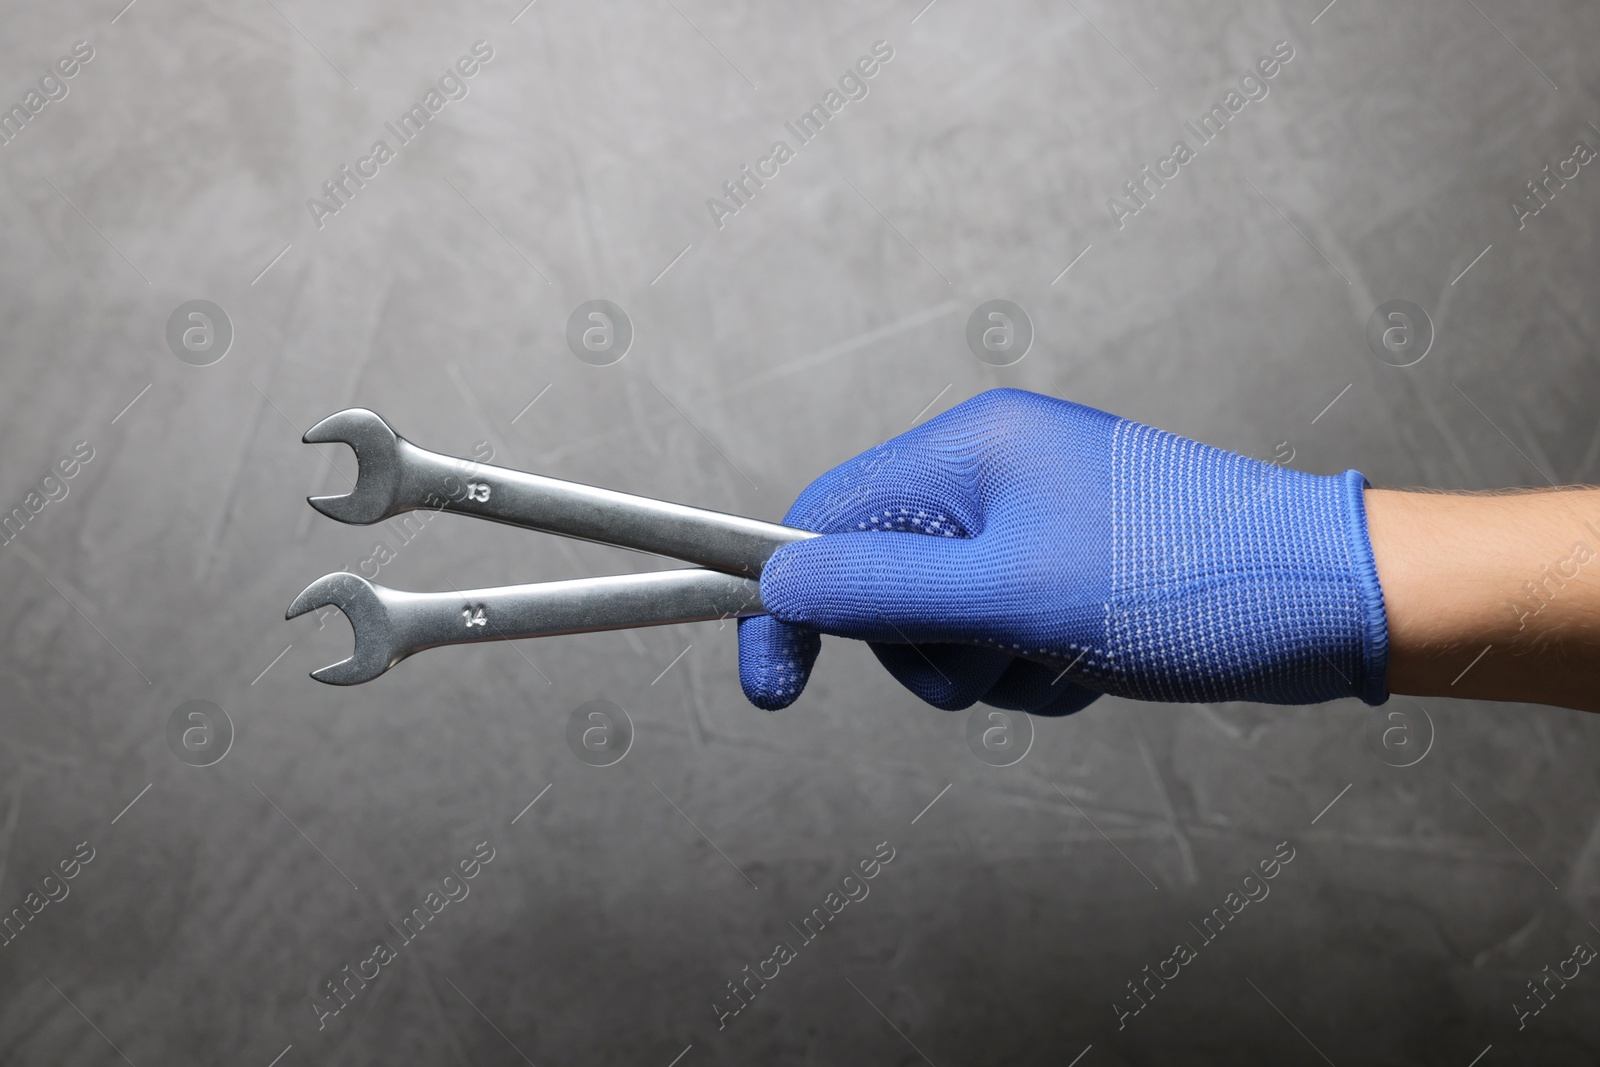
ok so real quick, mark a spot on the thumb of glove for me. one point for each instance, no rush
(887, 587)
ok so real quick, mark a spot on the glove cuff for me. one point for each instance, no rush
(1235, 579)
(1372, 686)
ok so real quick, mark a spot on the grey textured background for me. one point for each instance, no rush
(822, 319)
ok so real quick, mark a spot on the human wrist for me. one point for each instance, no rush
(1490, 596)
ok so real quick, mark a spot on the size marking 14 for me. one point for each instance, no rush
(475, 615)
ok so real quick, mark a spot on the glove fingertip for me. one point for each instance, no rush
(950, 677)
(1038, 690)
(775, 661)
(1073, 700)
(787, 582)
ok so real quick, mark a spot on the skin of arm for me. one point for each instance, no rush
(1517, 573)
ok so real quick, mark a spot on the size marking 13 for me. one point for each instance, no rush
(478, 491)
(475, 615)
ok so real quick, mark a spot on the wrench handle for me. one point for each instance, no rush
(731, 544)
(581, 605)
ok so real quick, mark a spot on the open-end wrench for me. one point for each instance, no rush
(391, 624)
(395, 476)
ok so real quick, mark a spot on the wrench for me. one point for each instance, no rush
(395, 476)
(391, 624)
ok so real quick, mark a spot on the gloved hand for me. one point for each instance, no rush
(1033, 553)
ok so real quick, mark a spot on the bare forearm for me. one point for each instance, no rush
(1517, 574)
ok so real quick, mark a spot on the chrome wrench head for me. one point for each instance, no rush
(377, 447)
(377, 645)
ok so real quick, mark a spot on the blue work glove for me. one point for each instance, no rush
(1065, 553)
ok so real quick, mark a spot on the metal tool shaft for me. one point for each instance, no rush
(728, 543)
(580, 605)
(391, 624)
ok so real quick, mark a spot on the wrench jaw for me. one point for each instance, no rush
(360, 602)
(377, 447)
